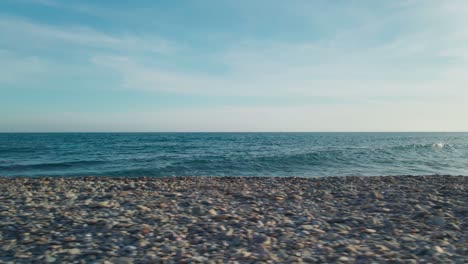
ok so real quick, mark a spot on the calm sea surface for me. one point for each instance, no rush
(232, 154)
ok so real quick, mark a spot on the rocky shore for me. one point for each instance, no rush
(404, 219)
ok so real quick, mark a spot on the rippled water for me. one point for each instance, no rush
(233, 154)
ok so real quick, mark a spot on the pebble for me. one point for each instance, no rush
(74, 251)
(297, 197)
(262, 239)
(197, 210)
(103, 204)
(352, 248)
(369, 230)
(213, 212)
(50, 259)
(439, 250)
(438, 220)
(69, 239)
(143, 208)
(382, 248)
(129, 248)
(377, 195)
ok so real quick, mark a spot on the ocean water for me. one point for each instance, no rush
(232, 154)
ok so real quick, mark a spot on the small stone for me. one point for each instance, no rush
(344, 259)
(343, 232)
(264, 252)
(199, 259)
(388, 224)
(296, 197)
(151, 255)
(392, 244)
(279, 198)
(181, 251)
(454, 226)
(70, 195)
(373, 221)
(50, 259)
(197, 210)
(382, 248)
(262, 239)
(408, 238)
(439, 250)
(129, 248)
(307, 227)
(306, 253)
(146, 229)
(104, 204)
(369, 231)
(312, 229)
(143, 243)
(223, 217)
(109, 225)
(310, 260)
(74, 251)
(167, 249)
(438, 220)
(352, 248)
(23, 255)
(230, 232)
(143, 208)
(69, 239)
(330, 236)
(245, 254)
(213, 212)
(377, 195)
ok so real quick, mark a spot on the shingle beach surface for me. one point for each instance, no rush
(395, 219)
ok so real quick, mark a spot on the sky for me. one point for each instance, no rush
(233, 65)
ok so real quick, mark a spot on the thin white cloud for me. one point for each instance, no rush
(262, 75)
(52, 3)
(333, 67)
(19, 30)
(425, 61)
(15, 67)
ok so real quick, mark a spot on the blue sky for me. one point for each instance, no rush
(233, 65)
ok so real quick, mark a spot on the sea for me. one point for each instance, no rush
(232, 154)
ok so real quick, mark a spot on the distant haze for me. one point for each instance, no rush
(222, 65)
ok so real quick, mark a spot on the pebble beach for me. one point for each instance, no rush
(394, 219)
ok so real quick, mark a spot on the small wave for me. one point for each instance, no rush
(8, 149)
(55, 165)
(440, 145)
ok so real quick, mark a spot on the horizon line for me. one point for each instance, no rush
(174, 132)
